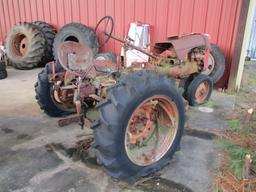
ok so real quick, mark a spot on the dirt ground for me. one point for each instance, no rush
(36, 155)
(236, 173)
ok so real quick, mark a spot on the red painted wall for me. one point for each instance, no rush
(219, 18)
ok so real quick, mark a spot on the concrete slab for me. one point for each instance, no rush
(221, 104)
(26, 165)
(194, 166)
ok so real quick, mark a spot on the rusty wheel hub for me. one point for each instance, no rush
(151, 130)
(211, 65)
(20, 42)
(202, 92)
(63, 98)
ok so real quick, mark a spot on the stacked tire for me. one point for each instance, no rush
(76, 32)
(45, 97)
(29, 45)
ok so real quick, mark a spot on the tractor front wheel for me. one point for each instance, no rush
(48, 98)
(140, 125)
(199, 90)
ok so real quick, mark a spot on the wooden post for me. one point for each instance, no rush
(248, 117)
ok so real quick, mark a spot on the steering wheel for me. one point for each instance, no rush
(105, 31)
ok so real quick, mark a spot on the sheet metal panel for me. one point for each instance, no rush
(251, 51)
(166, 17)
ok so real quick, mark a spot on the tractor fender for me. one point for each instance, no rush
(183, 44)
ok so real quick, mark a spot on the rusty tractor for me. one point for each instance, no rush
(141, 108)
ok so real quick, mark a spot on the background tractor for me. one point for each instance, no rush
(141, 111)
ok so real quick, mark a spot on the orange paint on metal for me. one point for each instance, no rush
(202, 92)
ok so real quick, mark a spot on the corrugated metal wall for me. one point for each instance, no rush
(251, 51)
(217, 17)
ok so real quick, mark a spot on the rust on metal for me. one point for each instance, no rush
(20, 43)
(202, 92)
(76, 58)
(182, 44)
(151, 130)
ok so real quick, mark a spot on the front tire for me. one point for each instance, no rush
(44, 95)
(134, 92)
(199, 90)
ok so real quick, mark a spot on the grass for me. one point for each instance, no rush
(211, 104)
(234, 124)
(236, 157)
(240, 138)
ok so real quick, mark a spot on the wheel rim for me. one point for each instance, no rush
(151, 130)
(202, 92)
(63, 99)
(20, 44)
(211, 65)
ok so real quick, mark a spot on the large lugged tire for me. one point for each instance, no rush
(112, 133)
(43, 93)
(25, 46)
(76, 32)
(3, 72)
(216, 64)
(199, 90)
(49, 34)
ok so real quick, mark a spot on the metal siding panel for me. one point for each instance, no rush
(2, 31)
(119, 24)
(6, 16)
(129, 7)
(68, 11)
(160, 27)
(251, 52)
(226, 32)
(92, 13)
(223, 33)
(84, 11)
(27, 11)
(174, 11)
(110, 10)
(2, 22)
(75, 11)
(213, 19)
(60, 13)
(33, 10)
(149, 17)
(219, 18)
(40, 10)
(47, 12)
(11, 13)
(99, 14)
(140, 10)
(54, 13)
(199, 15)
(16, 10)
(186, 16)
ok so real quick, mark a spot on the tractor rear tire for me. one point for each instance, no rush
(115, 112)
(76, 32)
(219, 63)
(25, 46)
(43, 92)
(49, 34)
(193, 94)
